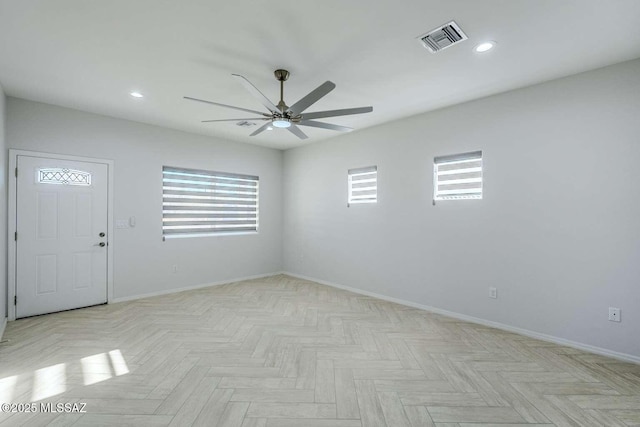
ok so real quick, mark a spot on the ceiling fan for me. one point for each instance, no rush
(283, 116)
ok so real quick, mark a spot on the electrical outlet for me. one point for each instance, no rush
(493, 292)
(614, 314)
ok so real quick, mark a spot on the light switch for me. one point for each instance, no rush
(122, 223)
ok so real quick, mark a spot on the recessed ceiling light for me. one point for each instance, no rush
(484, 47)
(136, 95)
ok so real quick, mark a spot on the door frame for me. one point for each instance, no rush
(12, 220)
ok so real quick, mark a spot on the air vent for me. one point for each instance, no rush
(245, 124)
(443, 37)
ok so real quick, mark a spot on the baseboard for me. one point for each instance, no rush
(532, 334)
(3, 325)
(190, 288)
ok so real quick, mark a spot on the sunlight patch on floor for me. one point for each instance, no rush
(118, 363)
(49, 381)
(95, 368)
(54, 380)
(7, 387)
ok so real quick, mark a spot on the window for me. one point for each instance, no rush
(63, 176)
(363, 185)
(458, 176)
(197, 203)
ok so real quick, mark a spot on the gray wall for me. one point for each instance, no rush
(3, 211)
(142, 261)
(558, 230)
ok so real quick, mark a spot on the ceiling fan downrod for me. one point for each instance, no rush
(282, 76)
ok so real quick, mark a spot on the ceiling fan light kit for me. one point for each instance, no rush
(284, 117)
(281, 123)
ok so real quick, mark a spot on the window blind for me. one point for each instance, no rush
(197, 202)
(363, 185)
(458, 176)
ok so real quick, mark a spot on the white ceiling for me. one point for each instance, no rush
(90, 54)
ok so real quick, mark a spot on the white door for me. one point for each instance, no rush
(61, 216)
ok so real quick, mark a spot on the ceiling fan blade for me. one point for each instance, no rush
(256, 93)
(322, 125)
(311, 98)
(235, 120)
(261, 129)
(297, 131)
(334, 113)
(224, 105)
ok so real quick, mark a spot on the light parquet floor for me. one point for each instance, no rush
(286, 352)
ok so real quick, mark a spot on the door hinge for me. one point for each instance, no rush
(15, 236)
(15, 300)
(16, 172)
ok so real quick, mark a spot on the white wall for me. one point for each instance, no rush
(558, 230)
(3, 213)
(142, 261)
